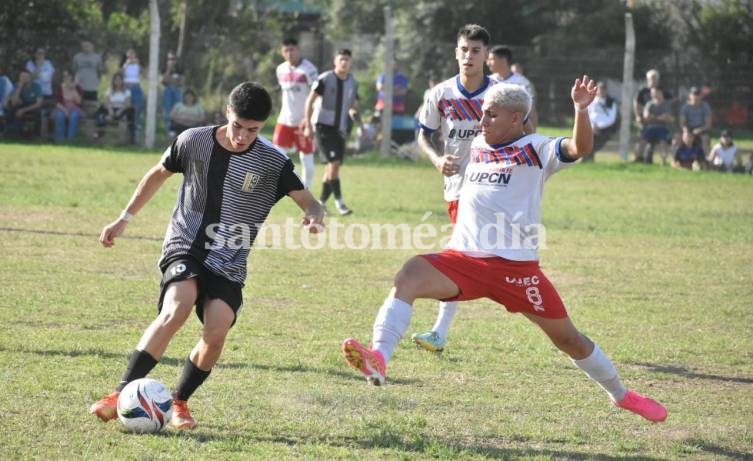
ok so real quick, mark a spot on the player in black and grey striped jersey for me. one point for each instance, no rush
(231, 179)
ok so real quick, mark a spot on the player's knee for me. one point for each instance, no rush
(214, 338)
(174, 315)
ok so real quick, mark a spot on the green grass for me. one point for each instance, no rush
(655, 264)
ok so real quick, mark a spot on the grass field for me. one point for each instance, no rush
(655, 264)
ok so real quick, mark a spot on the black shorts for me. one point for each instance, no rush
(330, 144)
(211, 285)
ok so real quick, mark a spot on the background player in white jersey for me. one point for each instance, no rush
(295, 76)
(231, 179)
(454, 108)
(499, 63)
(501, 203)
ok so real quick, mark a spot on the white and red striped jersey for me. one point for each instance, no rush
(499, 213)
(457, 112)
(295, 82)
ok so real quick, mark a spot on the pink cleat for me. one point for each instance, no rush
(644, 406)
(367, 361)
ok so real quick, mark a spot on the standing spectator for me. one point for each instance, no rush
(688, 152)
(24, 104)
(499, 61)
(187, 114)
(295, 76)
(603, 115)
(338, 90)
(132, 80)
(68, 97)
(88, 69)
(723, 154)
(657, 120)
(172, 79)
(117, 105)
(400, 83)
(695, 116)
(641, 99)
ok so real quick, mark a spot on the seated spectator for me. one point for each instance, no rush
(695, 116)
(6, 89)
(723, 154)
(68, 97)
(688, 152)
(172, 79)
(603, 115)
(187, 114)
(657, 119)
(117, 105)
(24, 104)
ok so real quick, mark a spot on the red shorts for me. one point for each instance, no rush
(292, 136)
(452, 211)
(520, 286)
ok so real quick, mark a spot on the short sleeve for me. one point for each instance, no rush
(430, 117)
(312, 74)
(553, 155)
(173, 157)
(318, 87)
(288, 181)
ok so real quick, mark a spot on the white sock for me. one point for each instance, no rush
(307, 164)
(390, 325)
(599, 368)
(447, 311)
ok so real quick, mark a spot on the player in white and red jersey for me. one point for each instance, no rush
(295, 76)
(487, 259)
(499, 63)
(454, 108)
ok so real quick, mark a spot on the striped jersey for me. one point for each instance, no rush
(499, 213)
(295, 82)
(449, 107)
(223, 200)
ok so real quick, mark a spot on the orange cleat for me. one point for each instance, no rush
(182, 418)
(106, 408)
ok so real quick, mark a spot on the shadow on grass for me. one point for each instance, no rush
(681, 371)
(432, 447)
(721, 452)
(73, 234)
(296, 368)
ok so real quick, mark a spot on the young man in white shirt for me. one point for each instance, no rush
(500, 204)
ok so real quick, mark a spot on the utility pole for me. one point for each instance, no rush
(152, 73)
(628, 66)
(389, 59)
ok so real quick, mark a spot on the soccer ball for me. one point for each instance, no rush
(145, 405)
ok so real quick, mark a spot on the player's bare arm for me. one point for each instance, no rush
(445, 164)
(582, 93)
(313, 218)
(308, 113)
(148, 186)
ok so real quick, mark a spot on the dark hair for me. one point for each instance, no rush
(502, 51)
(474, 32)
(191, 92)
(344, 52)
(250, 101)
(290, 41)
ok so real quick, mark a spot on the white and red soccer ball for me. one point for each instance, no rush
(145, 405)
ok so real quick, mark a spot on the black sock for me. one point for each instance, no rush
(335, 183)
(326, 191)
(140, 364)
(190, 380)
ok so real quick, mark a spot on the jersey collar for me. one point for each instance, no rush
(466, 93)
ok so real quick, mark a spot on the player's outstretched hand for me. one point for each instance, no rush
(583, 92)
(112, 230)
(314, 219)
